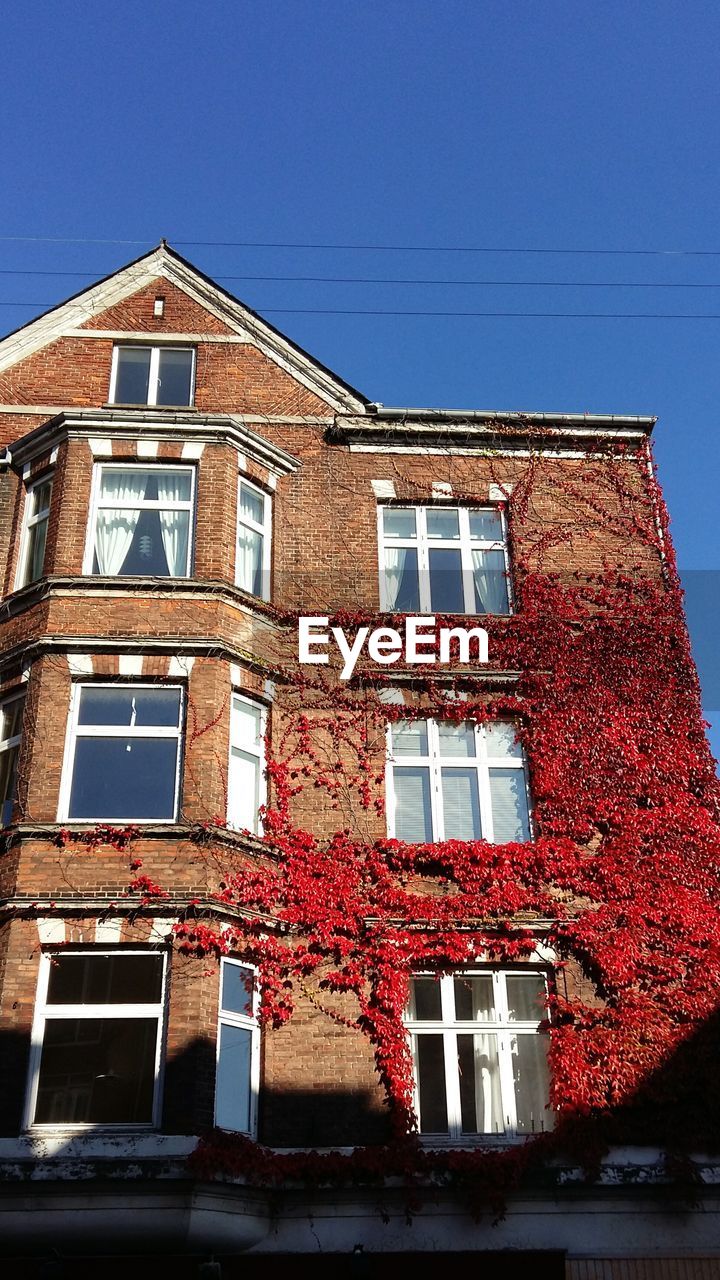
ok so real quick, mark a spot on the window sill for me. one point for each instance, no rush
(159, 408)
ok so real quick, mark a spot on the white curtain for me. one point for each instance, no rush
(171, 487)
(249, 559)
(116, 527)
(490, 582)
(394, 566)
(488, 1098)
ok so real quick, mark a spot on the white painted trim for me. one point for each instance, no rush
(31, 521)
(108, 930)
(263, 528)
(147, 448)
(130, 664)
(180, 666)
(51, 930)
(80, 664)
(192, 450)
(441, 489)
(252, 751)
(161, 928)
(383, 488)
(248, 1023)
(119, 1011)
(100, 447)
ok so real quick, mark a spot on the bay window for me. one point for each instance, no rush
(122, 759)
(238, 1049)
(252, 571)
(34, 537)
(152, 375)
(96, 1039)
(480, 1057)
(246, 779)
(456, 781)
(141, 522)
(443, 560)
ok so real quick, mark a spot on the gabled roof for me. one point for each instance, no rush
(163, 262)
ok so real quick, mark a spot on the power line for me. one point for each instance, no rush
(524, 284)
(508, 315)
(380, 248)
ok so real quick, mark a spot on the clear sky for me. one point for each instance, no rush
(462, 125)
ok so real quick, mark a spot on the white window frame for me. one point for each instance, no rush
(435, 762)
(28, 522)
(249, 1023)
(9, 744)
(265, 531)
(154, 373)
(153, 504)
(423, 544)
(74, 731)
(449, 1027)
(105, 1011)
(248, 748)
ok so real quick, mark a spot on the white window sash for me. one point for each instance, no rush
(75, 731)
(264, 528)
(250, 748)
(500, 1027)
(98, 503)
(480, 764)
(29, 522)
(423, 543)
(247, 1022)
(154, 371)
(46, 1013)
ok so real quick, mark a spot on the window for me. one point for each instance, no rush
(122, 760)
(246, 780)
(443, 560)
(11, 713)
(96, 1039)
(480, 1058)
(450, 781)
(141, 522)
(238, 1045)
(36, 517)
(253, 541)
(152, 375)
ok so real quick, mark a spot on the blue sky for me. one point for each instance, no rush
(486, 125)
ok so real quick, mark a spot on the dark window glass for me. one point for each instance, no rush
(446, 583)
(174, 377)
(132, 375)
(105, 979)
(124, 778)
(128, 705)
(97, 1071)
(232, 1082)
(431, 1084)
(237, 989)
(426, 999)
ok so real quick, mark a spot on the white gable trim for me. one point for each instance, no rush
(161, 263)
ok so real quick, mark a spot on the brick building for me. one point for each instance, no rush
(439, 863)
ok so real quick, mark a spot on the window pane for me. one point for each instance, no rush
(456, 739)
(250, 560)
(8, 765)
(133, 372)
(243, 790)
(402, 585)
(232, 1083)
(124, 778)
(474, 999)
(430, 1067)
(526, 996)
(41, 497)
(486, 526)
(174, 377)
(246, 723)
(508, 799)
(490, 581)
(237, 988)
(252, 504)
(501, 739)
(442, 523)
(12, 719)
(105, 979)
(446, 584)
(37, 538)
(399, 522)
(97, 1071)
(409, 738)
(413, 820)
(530, 1071)
(479, 1071)
(461, 804)
(425, 1000)
(128, 705)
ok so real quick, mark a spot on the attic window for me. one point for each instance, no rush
(152, 375)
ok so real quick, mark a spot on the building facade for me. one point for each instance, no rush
(324, 935)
